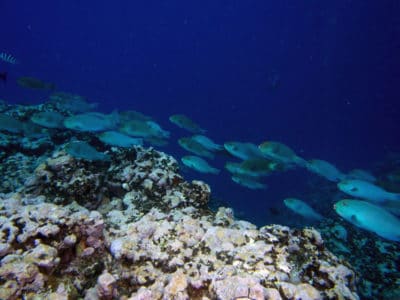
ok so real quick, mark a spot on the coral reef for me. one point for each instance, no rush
(151, 236)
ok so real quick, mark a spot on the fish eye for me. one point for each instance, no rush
(353, 189)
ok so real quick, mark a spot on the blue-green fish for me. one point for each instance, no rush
(252, 167)
(115, 138)
(198, 164)
(92, 122)
(207, 143)
(71, 103)
(370, 217)
(366, 190)
(10, 124)
(301, 208)
(184, 122)
(83, 150)
(193, 146)
(48, 119)
(243, 150)
(361, 175)
(248, 181)
(325, 169)
(281, 153)
(143, 129)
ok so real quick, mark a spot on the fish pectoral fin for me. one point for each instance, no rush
(354, 219)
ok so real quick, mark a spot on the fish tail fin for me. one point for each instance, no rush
(114, 116)
(215, 171)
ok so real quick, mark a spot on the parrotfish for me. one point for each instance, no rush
(325, 169)
(92, 122)
(83, 150)
(34, 83)
(198, 164)
(243, 150)
(115, 138)
(252, 167)
(193, 146)
(361, 175)
(300, 207)
(370, 217)
(366, 190)
(207, 143)
(248, 181)
(281, 153)
(184, 122)
(143, 129)
(49, 119)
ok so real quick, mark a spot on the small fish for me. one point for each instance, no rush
(301, 208)
(71, 103)
(3, 76)
(366, 190)
(198, 164)
(145, 129)
(325, 169)
(281, 153)
(243, 150)
(49, 119)
(254, 167)
(115, 138)
(361, 175)
(92, 122)
(8, 58)
(83, 150)
(184, 122)
(34, 83)
(370, 217)
(248, 181)
(193, 146)
(207, 143)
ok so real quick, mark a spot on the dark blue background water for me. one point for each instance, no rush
(336, 64)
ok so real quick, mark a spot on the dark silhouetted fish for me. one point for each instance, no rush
(34, 83)
(3, 76)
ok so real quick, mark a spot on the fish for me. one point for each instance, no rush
(8, 58)
(248, 181)
(303, 209)
(243, 150)
(361, 174)
(83, 150)
(145, 129)
(254, 167)
(92, 122)
(207, 143)
(71, 103)
(115, 138)
(281, 153)
(34, 83)
(325, 169)
(370, 217)
(366, 190)
(198, 164)
(3, 76)
(134, 115)
(191, 145)
(184, 122)
(49, 119)
(10, 124)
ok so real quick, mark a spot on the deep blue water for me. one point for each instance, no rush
(336, 66)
